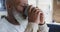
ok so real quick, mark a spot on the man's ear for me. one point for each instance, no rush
(9, 6)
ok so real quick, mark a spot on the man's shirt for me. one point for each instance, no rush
(5, 26)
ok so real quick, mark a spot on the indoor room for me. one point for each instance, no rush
(50, 10)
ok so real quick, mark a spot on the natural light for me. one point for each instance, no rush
(0, 5)
(45, 6)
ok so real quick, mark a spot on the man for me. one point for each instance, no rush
(16, 21)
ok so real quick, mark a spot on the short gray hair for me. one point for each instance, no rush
(8, 1)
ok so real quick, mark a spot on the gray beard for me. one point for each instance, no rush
(19, 17)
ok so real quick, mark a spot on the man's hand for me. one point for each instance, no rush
(35, 15)
(41, 18)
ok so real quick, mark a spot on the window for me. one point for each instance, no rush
(2, 5)
(46, 6)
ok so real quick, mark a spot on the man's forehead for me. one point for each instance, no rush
(21, 0)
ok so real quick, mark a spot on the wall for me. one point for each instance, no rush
(56, 11)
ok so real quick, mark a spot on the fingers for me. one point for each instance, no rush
(36, 11)
(30, 8)
(34, 14)
(41, 17)
(33, 9)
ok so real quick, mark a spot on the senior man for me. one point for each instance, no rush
(17, 21)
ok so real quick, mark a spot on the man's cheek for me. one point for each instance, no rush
(19, 9)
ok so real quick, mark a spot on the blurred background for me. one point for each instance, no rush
(51, 9)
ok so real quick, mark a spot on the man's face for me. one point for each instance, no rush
(19, 5)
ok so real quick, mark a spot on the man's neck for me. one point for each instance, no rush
(12, 20)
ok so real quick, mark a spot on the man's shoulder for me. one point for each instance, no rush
(3, 23)
(5, 27)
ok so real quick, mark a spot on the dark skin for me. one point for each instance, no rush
(34, 15)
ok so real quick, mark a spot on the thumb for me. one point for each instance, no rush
(41, 17)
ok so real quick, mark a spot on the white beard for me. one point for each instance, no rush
(23, 22)
(19, 17)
